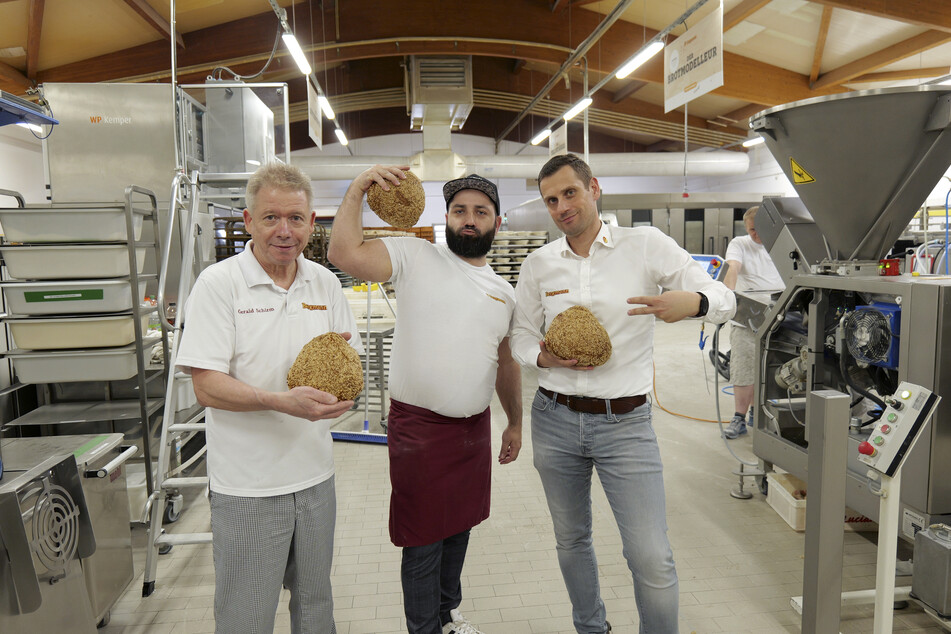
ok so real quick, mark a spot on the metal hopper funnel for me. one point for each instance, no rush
(862, 162)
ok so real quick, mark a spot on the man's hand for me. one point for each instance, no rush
(548, 360)
(670, 306)
(312, 404)
(511, 444)
(383, 175)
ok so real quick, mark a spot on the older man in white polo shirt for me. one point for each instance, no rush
(270, 460)
(450, 350)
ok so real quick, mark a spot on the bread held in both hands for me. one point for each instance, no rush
(328, 363)
(400, 206)
(575, 333)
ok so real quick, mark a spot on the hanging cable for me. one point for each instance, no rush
(216, 71)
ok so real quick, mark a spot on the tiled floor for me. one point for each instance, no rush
(739, 563)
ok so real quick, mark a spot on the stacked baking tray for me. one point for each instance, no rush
(509, 250)
(71, 309)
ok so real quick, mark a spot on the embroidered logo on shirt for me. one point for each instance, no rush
(498, 299)
(313, 306)
(553, 293)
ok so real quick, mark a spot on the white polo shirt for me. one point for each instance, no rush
(758, 272)
(239, 322)
(452, 318)
(622, 262)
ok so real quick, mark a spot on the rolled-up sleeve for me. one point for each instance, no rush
(674, 269)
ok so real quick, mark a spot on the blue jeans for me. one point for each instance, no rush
(566, 445)
(432, 582)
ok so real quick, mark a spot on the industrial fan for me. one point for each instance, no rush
(871, 334)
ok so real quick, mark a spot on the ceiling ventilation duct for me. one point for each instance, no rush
(439, 91)
(439, 98)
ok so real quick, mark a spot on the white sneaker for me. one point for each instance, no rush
(459, 624)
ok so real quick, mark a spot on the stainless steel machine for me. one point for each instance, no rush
(862, 164)
(44, 531)
(92, 519)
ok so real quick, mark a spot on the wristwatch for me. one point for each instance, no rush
(704, 305)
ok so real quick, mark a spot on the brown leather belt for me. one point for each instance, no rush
(587, 405)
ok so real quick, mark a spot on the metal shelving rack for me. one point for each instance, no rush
(54, 413)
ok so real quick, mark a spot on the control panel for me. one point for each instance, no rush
(895, 432)
(711, 263)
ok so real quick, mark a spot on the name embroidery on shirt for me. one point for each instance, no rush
(553, 293)
(498, 299)
(246, 311)
(313, 306)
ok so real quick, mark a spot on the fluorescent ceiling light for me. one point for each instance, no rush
(541, 136)
(296, 52)
(253, 162)
(645, 54)
(325, 106)
(753, 141)
(341, 136)
(578, 107)
(31, 126)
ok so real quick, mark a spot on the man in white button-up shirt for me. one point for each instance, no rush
(584, 417)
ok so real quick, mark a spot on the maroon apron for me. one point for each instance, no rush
(441, 472)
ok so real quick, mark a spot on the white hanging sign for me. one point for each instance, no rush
(315, 126)
(693, 63)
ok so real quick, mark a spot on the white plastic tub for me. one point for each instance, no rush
(53, 333)
(69, 262)
(107, 364)
(69, 296)
(70, 224)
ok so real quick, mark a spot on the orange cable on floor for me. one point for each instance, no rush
(657, 401)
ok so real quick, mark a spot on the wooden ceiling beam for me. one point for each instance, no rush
(742, 11)
(878, 59)
(34, 32)
(160, 24)
(366, 32)
(12, 76)
(897, 75)
(744, 113)
(629, 89)
(820, 43)
(934, 14)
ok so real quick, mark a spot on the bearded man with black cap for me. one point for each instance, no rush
(450, 349)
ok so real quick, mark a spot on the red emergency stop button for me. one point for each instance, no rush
(866, 449)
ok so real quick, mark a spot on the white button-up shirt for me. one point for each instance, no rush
(623, 262)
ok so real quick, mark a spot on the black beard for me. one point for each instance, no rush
(469, 246)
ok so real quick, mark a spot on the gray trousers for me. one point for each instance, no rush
(262, 543)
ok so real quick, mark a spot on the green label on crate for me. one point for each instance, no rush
(63, 296)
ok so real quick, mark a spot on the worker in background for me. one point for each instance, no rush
(270, 460)
(750, 269)
(585, 417)
(450, 349)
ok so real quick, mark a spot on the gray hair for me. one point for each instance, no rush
(278, 176)
(750, 213)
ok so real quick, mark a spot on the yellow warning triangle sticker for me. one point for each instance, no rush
(800, 176)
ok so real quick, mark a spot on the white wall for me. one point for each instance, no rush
(21, 165)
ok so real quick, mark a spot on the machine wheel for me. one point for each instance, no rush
(165, 549)
(104, 621)
(173, 509)
(763, 484)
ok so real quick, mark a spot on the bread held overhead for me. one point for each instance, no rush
(576, 333)
(328, 363)
(400, 206)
